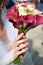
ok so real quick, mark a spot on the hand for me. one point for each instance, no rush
(19, 45)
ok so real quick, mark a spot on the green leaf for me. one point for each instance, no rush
(17, 60)
(26, 30)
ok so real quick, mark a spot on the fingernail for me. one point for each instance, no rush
(22, 33)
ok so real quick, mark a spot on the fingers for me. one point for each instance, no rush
(17, 43)
(19, 36)
(21, 41)
(24, 36)
(22, 51)
(22, 46)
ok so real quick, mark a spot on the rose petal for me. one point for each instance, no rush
(30, 18)
(39, 19)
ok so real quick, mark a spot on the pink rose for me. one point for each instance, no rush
(23, 20)
(39, 19)
(12, 13)
(19, 21)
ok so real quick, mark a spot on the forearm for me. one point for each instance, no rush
(8, 58)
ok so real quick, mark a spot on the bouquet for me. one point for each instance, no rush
(24, 17)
